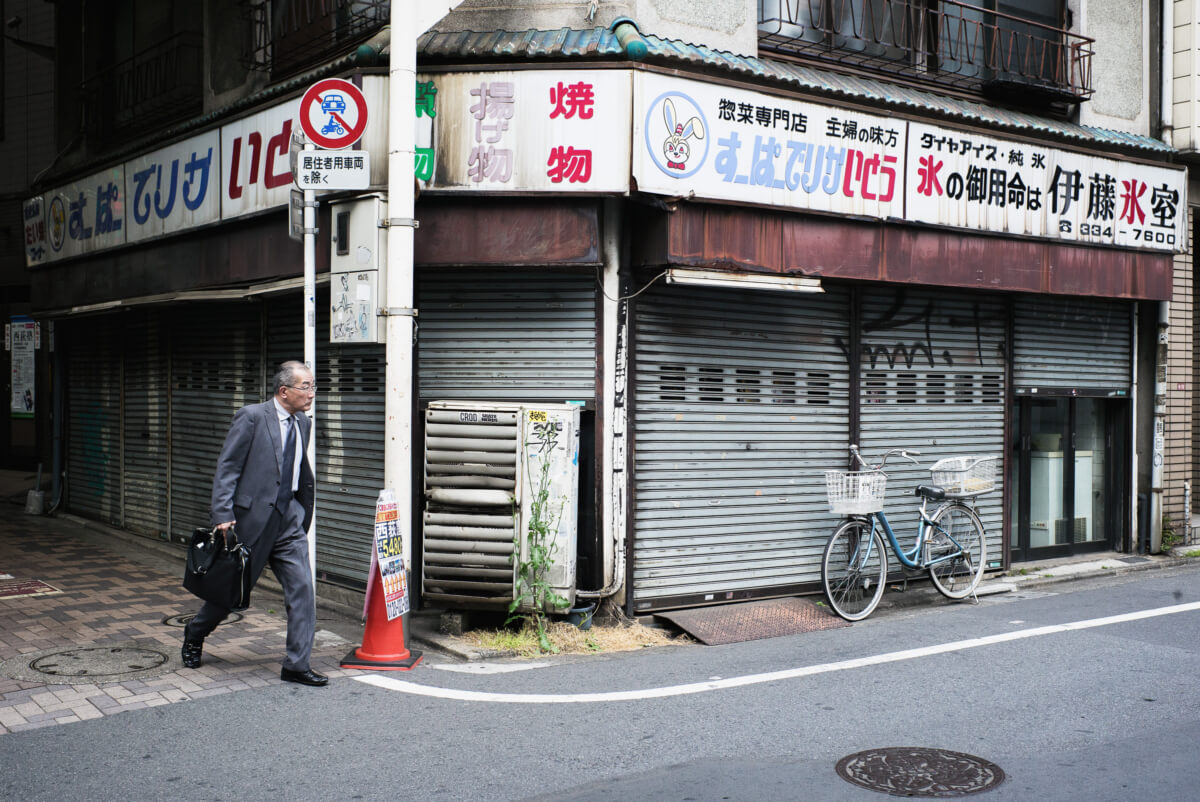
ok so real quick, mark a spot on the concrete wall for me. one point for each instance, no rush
(721, 24)
(1121, 69)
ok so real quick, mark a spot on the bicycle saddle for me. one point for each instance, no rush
(931, 492)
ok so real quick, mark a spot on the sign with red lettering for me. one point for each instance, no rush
(333, 114)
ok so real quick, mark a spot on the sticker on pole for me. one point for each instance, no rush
(389, 554)
(333, 114)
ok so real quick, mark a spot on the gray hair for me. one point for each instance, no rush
(286, 375)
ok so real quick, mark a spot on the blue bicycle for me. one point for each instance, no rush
(951, 543)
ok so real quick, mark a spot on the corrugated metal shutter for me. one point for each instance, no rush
(94, 426)
(146, 418)
(1072, 342)
(349, 426)
(215, 370)
(742, 402)
(932, 380)
(507, 336)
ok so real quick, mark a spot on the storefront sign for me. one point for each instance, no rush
(734, 144)
(971, 181)
(173, 188)
(554, 131)
(255, 162)
(693, 138)
(84, 216)
(569, 131)
(241, 168)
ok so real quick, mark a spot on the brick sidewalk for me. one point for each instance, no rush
(109, 599)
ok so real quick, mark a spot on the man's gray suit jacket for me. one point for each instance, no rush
(247, 480)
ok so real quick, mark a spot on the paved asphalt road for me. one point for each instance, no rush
(1069, 702)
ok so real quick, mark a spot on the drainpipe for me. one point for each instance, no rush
(613, 477)
(1167, 99)
(1160, 420)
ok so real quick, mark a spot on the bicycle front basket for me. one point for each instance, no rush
(855, 492)
(963, 477)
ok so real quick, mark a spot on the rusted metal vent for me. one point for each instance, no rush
(920, 771)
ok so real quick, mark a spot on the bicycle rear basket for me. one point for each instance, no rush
(855, 492)
(963, 477)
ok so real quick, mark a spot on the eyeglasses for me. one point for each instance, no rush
(304, 388)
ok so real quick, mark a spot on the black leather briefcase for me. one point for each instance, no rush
(218, 569)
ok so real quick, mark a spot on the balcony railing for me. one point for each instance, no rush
(291, 35)
(161, 84)
(940, 41)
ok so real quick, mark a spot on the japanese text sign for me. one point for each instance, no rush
(173, 188)
(733, 144)
(560, 131)
(739, 145)
(970, 181)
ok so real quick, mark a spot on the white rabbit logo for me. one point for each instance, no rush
(676, 147)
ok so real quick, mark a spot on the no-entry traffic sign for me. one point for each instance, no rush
(333, 114)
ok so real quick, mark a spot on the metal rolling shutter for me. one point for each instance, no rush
(1072, 343)
(145, 405)
(507, 336)
(215, 370)
(94, 425)
(742, 402)
(932, 380)
(349, 426)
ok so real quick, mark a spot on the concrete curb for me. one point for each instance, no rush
(423, 628)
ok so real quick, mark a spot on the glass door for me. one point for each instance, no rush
(1067, 482)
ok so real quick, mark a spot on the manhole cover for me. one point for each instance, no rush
(920, 771)
(78, 665)
(182, 620)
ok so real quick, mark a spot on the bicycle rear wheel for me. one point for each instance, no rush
(956, 578)
(854, 570)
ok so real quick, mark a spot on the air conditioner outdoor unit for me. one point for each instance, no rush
(492, 471)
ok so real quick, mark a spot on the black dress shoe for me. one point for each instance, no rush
(308, 677)
(192, 651)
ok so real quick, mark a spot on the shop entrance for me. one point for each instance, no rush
(1069, 476)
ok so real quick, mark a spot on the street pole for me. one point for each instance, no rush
(398, 408)
(310, 346)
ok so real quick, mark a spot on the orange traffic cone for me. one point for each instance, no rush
(384, 647)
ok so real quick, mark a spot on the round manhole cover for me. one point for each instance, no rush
(920, 771)
(182, 620)
(75, 665)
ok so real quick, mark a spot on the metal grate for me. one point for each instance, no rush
(1024, 53)
(469, 522)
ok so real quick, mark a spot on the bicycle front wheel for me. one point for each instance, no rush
(957, 577)
(854, 570)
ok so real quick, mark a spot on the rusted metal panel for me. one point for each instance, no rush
(513, 232)
(749, 239)
(234, 254)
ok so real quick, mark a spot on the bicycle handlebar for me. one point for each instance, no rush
(908, 455)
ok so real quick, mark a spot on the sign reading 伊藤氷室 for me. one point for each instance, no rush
(598, 131)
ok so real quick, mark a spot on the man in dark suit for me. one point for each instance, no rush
(265, 485)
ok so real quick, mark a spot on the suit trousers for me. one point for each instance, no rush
(284, 546)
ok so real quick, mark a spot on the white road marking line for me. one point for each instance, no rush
(489, 668)
(404, 686)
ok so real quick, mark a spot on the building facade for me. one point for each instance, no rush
(734, 237)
